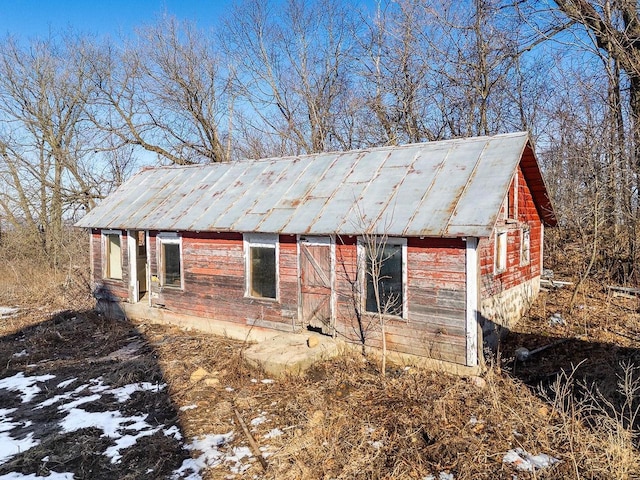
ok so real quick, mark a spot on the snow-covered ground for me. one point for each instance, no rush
(76, 404)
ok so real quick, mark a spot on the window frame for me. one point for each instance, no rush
(500, 252)
(169, 238)
(264, 240)
(362, 245)
(106, 250)
(525, 246)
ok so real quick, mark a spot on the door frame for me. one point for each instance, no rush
(322, 241)
(132, 250)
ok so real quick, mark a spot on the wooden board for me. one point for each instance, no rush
(315, 286)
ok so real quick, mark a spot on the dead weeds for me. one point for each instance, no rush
(342, 420)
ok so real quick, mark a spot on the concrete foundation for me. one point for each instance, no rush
(279, 353)
(500, 312)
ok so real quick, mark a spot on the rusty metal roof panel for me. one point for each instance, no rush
(333, 214)
(448, 188)
(433, 213)
(187, 208)
(415, 187)
(209, 205)
(493, 171)
(167, 202)
(289, 175)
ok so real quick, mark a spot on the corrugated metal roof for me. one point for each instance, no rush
(446, 189)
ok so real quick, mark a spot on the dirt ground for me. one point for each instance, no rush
(342, 420)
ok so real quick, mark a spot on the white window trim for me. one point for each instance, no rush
(361, 246)
(472, 301)
(268, 240)
(174, 239)
(514, 204)
(523, 261)
(105, 250)
(498, 254)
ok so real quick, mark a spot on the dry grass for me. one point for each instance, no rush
(343, 420)
(58, 280)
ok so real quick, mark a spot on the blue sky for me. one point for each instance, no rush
(37, 18)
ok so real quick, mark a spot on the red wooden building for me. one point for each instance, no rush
(286, 243)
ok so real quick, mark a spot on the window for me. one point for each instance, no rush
(261, 254)
(385, 276)
(525, 251)
(112, 254)
(501, 252)
(170, 263)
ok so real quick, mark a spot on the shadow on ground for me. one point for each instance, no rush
(598, 370)
(62, 375)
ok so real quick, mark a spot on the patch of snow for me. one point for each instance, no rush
(253, 380)
(376, 444)
(258, 420)
(276, 432)
(126, 441)
(25, 385)
(173, 431)
(8, 312)
(66, 383)
(9, 446)
(267, 380)
(239, 453)
(441, 476)
(123, 394)
(98, 385)
(61, 397)
(23, 353)
(113, 424)
(33, 476)
(210, 455)
(524, 461)
(229, 389)
(3, 414)
(67, 407)
(188, 407)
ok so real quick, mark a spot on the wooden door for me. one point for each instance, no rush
(315, 284)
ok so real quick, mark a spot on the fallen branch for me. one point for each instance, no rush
(252, 443)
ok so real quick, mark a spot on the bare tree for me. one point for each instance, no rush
(166, 93)
(48, 149)
(293, 70)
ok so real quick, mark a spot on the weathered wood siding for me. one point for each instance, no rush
(516, 272)
(117, 288)
(214, 281)
(436, 301)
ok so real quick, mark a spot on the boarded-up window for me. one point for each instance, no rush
(113, 256)
(501, 252)
(170, 261)
(384, 268)
(525, 251)
(262, 268)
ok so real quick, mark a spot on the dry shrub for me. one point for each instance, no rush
(602, 436)
(31, 276)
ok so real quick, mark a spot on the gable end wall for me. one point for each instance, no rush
(505, 297)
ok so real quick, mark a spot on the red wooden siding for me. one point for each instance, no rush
(118, 288)
(436, 296)
(515, 273)
(214, 281)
